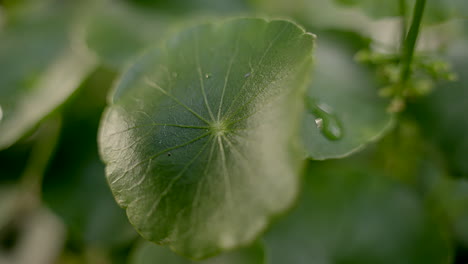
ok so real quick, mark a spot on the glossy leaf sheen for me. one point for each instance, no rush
(200, 137)
(345, 93)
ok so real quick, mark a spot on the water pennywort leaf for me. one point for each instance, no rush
(199, 163)
(343, 113)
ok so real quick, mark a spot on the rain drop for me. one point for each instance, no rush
(326, 120)
(208, 75)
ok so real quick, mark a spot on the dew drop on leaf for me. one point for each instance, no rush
(326, 120)
(319, 123)
(208, 75)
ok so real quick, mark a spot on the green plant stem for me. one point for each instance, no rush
(411, 39)
(40, 156)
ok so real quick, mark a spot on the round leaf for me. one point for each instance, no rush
(344, 110)
(200, 138)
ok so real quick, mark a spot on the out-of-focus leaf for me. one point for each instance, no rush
(437, 10)
(349, 213)
(75, 186)
(442, 115)
(317, 14)
(452, 196)
(200, 137)
(148, 253)
(118, 31)
(196, 6)
(13, 161)
(23, 225)
(40, 67)
(8, 202)
(344, 109)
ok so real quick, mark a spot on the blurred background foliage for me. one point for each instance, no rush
(401, 199)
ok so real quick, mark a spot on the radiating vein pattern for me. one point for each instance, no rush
(199, 143)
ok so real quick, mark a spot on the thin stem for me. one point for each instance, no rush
(40, 156)
(411, 39)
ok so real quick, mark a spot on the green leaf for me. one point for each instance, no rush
(39, 69)
(121, 30)
(316, 14)
(351, 213)
(148, 253)
(344, 110)
(118, 31)
(451, 198)
(182, 7)
(442, 115)
(200, 137)
(455, 201)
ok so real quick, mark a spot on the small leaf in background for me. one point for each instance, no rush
(200, 137)
(315, 14)
(148, 253)
(351, 213)
(82, 198)
(40, 67)
(181, 7)
(344, 112)
(119, 31)
(452, 196)
(442, 115)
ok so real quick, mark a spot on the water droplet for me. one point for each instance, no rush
(169, 154)
(326, 120)
(319, 123)
(247, 75)
(208, 75)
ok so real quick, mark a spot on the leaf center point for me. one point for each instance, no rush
(219, 128)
